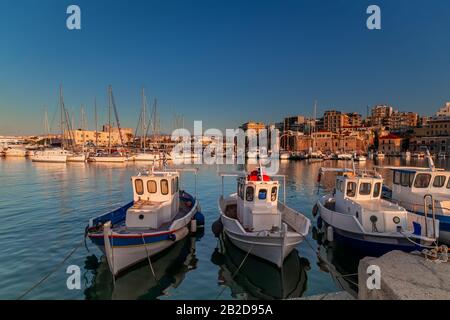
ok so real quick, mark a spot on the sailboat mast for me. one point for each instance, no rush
(96, 123)
(109, 119)
(61, 106)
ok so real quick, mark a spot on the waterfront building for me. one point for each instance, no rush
(391, 144)
(380, 115)
(330, 142)
(444, 111)
(403, 121)
(81, 137)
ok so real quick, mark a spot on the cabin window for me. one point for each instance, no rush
(422, 180)
(351, 189)
(376, 189)
(151, 186)
(173, 185)
(176, 184)
(273, 194)
(439, 181)
(262, 194)
(139, 185)
(406, 179)
(397, 177)
(448, 184)
(249, 194)
(365, 188)
(164, 187)
(239, 191)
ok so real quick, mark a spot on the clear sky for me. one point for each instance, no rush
(221, 61)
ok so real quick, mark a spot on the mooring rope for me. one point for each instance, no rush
(148, 257)
(51, 272)
(236, 272)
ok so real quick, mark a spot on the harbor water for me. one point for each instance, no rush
(45, 208)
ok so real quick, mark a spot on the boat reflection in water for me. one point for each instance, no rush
(339, 261)
(170, 268)
(258, 279)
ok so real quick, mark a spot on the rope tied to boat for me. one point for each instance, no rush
(43, 279)
(148, 257)
(236, 272)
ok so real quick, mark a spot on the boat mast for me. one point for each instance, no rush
(96, 124)
(116, 115)
(109, 120)
(61, 106)
(144, 118)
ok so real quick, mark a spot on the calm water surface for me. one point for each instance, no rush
(45, 207)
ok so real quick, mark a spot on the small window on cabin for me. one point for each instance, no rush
(351, 189)
(397, 177)
(262, 194)
(139, 185)
(173, 185)
(365, 188)
(405, 179)
(411, 179)
(249, 194)
(273, 194)
(376, 189)
(448, 184)
(164, 187)
(151, 186)
(177, 186)
(422, 180)
(439, 181)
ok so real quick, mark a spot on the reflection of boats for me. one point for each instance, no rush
(356, 215)
(257, 222)
(425, 191)
(170, 268)
(159, 215)
(257, 279)
(341, 263)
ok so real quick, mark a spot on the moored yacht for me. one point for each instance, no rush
(51, 155)
(159, 215)
(356, 215)
(257, 222)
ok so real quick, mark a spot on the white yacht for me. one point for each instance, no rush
(257, 222)
(51, 155)
(356, 215)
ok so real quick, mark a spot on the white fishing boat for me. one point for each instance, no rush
(423, 190)
(257, 222)
(356, 215)
(159, 215)
(51, 155)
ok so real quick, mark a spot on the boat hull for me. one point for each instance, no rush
(107, 159)
(52, 159)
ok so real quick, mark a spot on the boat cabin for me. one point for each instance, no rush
(419, 181)
(257, 202)
(357, 188)
(156, 199)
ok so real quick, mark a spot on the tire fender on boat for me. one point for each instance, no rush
(315, 210)
(179, 234)
(330, 234)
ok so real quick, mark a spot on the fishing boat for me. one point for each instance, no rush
(77, 157)
(356, 215)
(159, 216)
(257, 222)
(423, 190)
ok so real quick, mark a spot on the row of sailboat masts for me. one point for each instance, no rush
(145, 122)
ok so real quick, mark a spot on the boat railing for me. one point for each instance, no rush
(433, 213)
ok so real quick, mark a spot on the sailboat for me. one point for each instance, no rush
(55, 154)
(80, 156)
(111, 156)
(144, 125)
(313, 155)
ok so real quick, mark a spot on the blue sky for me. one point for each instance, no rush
(221, 61)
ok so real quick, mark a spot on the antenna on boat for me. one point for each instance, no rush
(430, 161)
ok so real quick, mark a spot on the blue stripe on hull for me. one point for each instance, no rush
(369, 248)
(121, 242)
